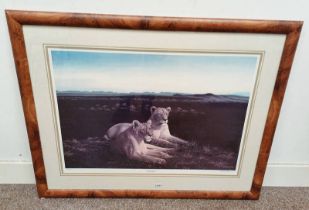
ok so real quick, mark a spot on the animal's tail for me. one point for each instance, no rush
(106, 137)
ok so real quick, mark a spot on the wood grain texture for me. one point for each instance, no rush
(22, 68)
(274, 109)
(16, 19)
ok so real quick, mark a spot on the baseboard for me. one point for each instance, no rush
(16, 172)
(287, 175)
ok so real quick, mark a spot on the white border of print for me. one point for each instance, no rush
(70, 171)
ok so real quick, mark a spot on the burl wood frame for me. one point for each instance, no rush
(16, 20)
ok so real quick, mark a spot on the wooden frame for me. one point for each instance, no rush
(17, 19)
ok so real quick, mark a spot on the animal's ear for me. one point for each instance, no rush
(152, 109)
(149, 122)
(135, 124)
(169, 109)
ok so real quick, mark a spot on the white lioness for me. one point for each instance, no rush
(128, 139)
(161, 133)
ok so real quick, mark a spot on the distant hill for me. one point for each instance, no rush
(108, 93)
(206, 98)
(226, 98)
(213, 98)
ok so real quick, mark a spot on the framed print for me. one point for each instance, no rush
(129, 106)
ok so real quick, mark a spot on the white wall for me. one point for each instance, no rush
(289, 161)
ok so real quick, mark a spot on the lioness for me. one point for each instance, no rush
(129, 141)
(161, 133)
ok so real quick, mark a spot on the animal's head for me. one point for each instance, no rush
(142, 130)
(159, 115)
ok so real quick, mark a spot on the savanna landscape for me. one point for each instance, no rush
(212, 124)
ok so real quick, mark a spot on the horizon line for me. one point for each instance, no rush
(244, 94)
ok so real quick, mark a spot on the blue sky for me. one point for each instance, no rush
(152, 72)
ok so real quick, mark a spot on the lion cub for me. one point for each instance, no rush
(129, 140)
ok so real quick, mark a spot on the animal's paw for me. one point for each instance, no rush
(171, 152)
(187, 145)
(191, 144)
(165, 155)
(171, 146)
(148, 139)
(161, 162)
